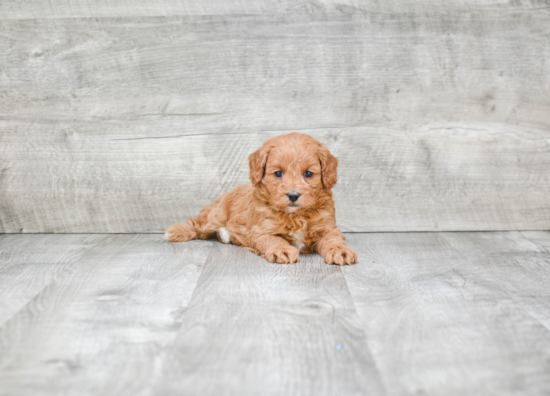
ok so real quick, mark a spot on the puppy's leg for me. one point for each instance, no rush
(332, 247)
(208, 222)
(275, 249)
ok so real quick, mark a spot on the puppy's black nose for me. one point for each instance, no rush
(293, 196)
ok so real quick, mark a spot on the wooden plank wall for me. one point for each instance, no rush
(119, 116)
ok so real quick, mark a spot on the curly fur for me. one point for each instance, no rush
(260, 217)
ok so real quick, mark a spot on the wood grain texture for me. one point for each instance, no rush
(14, 9)
(31, 9)
(540, 238)
(283, 72)
(103, 329)
(518, 262)
(257, 328)
(432, 178)
(441, 122)
(422, 313)
(30, 263)
(441, 320)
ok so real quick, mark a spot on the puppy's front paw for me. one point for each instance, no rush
(179, 233)
(284, 255)
(340, 255)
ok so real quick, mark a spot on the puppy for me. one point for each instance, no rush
(287, 209)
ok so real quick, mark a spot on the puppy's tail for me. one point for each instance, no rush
(180, 232)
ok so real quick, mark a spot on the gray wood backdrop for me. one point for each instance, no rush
(128, 116)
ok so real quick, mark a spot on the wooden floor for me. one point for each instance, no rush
(131, 314)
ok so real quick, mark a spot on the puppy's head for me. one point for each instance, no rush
(293, 169)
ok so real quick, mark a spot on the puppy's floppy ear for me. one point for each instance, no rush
(329, 165)
(256, 162)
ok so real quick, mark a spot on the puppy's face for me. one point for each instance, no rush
(293, 169)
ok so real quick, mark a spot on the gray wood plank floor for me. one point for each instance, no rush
(422, 313)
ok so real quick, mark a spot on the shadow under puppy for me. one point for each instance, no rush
(286, 209)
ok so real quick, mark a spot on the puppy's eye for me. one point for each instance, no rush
(279, 174)
(308, 174)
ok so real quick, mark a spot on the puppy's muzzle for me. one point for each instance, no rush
(293, 196)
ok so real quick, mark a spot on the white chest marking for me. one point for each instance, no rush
(299, 242)
(224, 236)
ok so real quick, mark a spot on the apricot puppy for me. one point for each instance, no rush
(287, 209)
